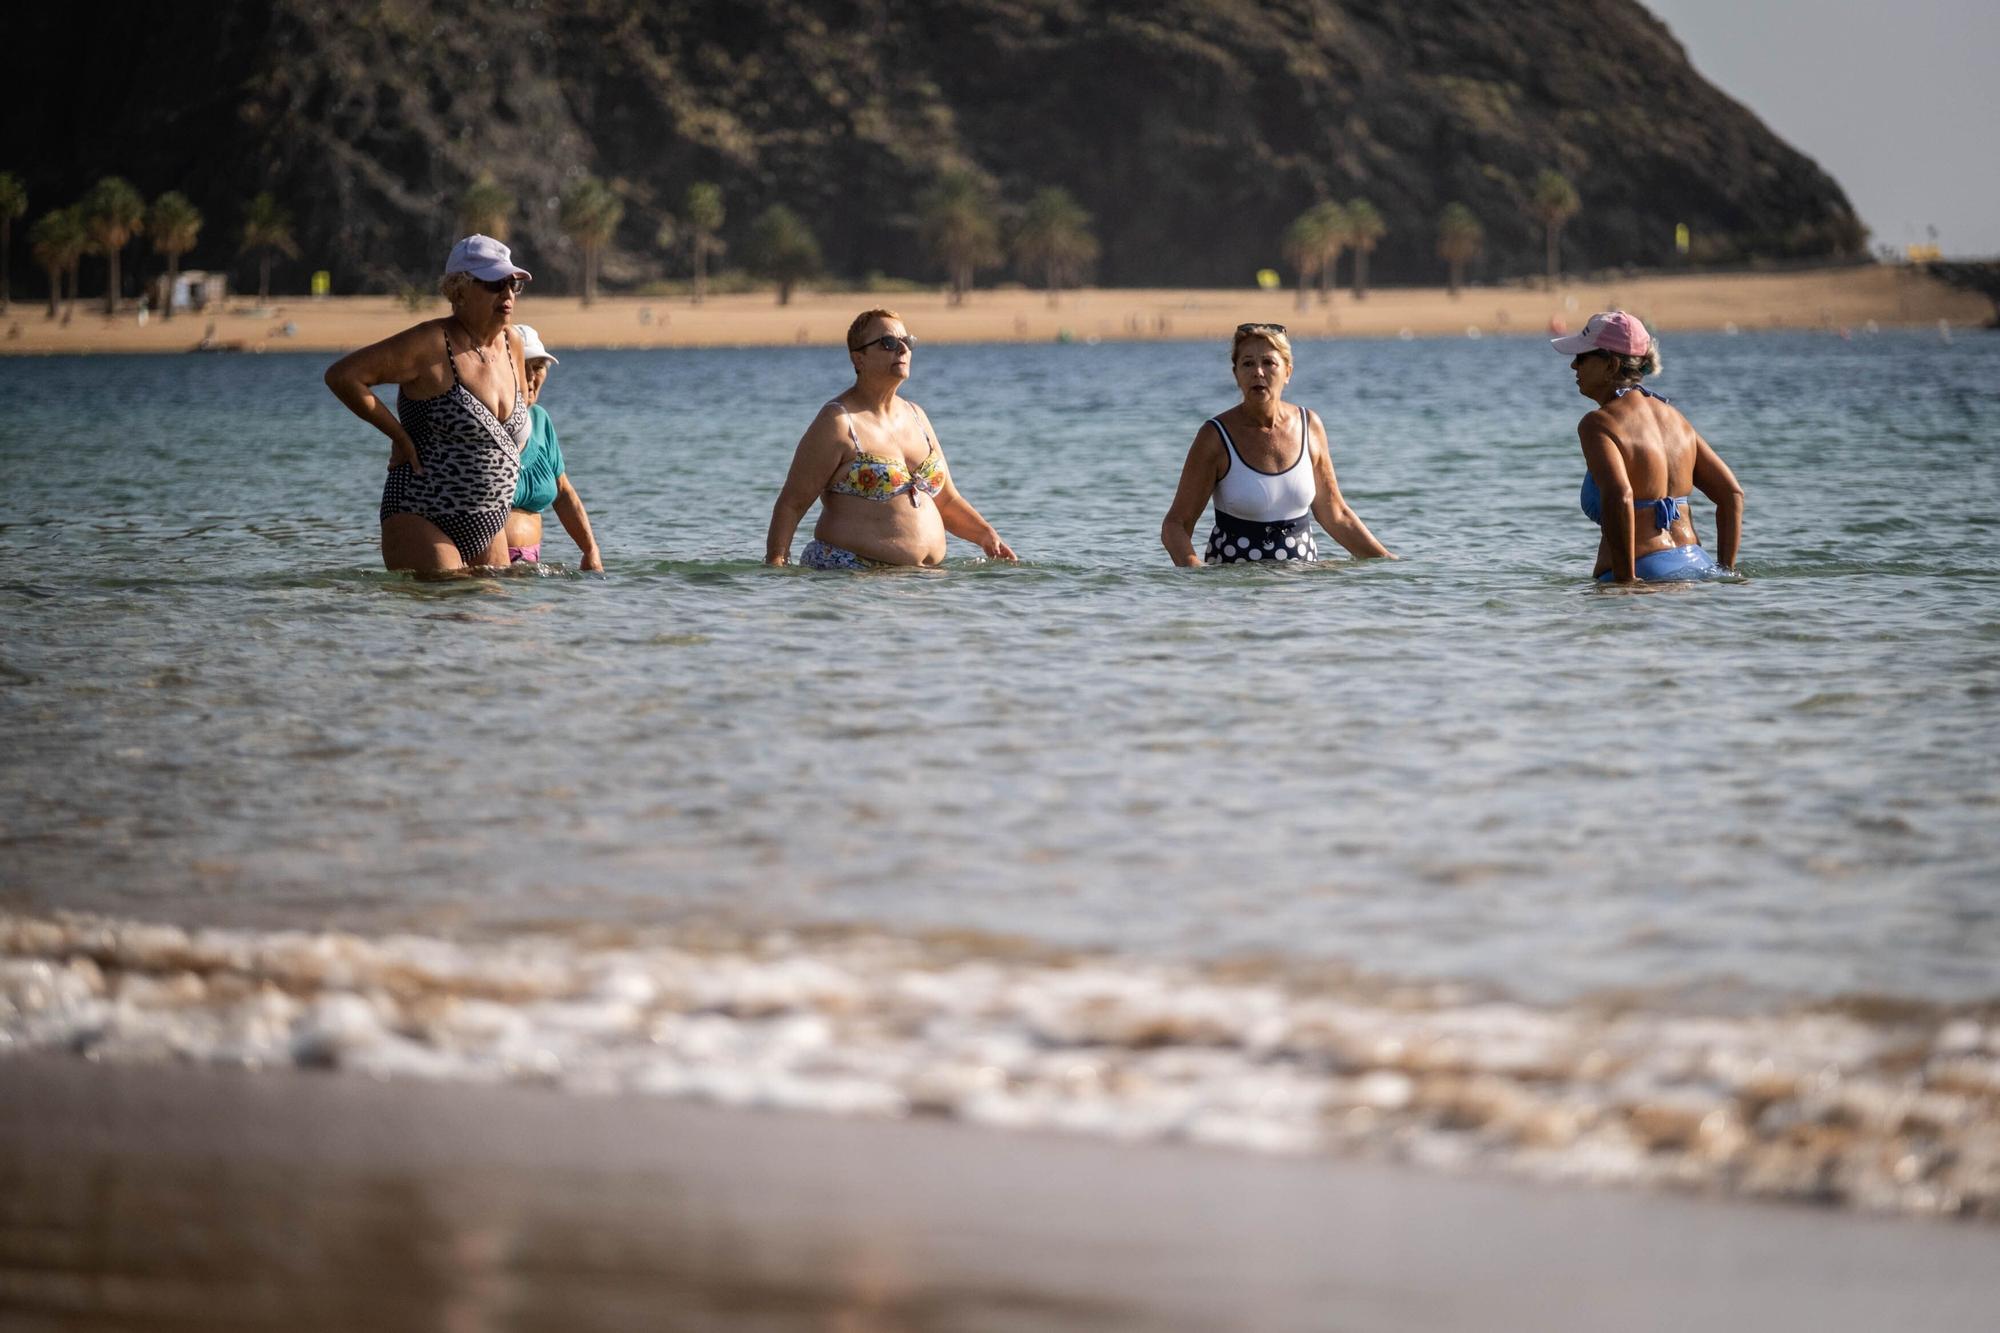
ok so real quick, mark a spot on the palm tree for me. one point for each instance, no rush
(173, 226)
(267, 230)
(705, 215)
(1460, 237)
(1313, 244)
(956, 222)
(1364, 228)
(58, 241)
(782, 248)
(1304, 247)
(1336, 231)
(13, 204)
(1553, 201)
(591, 213)
(485, 208)
(112, 212)
(1054, 239)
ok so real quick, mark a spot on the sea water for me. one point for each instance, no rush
(1452, 857)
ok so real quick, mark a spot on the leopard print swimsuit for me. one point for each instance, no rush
(471, 461)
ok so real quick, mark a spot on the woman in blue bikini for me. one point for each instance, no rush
(1643, 459)
(872, 462)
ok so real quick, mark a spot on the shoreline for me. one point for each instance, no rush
(1843, 300)
(325, 1200)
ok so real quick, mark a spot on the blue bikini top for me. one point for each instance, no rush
(1665, 510)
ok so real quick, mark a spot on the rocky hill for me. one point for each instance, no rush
(1194, 130)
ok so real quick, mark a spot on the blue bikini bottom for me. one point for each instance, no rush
(1671, 566)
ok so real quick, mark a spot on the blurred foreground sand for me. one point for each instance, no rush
(186, 1198)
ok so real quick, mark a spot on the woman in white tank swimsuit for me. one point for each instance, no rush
(1267, 466)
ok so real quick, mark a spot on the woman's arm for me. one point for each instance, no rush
(569, 509)
(1614, 488)
(1331, 509)
(961, 520)
(1713, 478)
(1203, 468)
(821, 451)
(394, 360)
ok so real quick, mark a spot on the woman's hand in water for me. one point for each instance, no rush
(999, 550)
(592, 562)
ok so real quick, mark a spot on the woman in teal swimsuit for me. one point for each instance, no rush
(544, 480)
(1643, 459)
(872, 462)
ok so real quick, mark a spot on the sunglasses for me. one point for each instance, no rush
(888, 342)
(499, 285)
(1260, 328)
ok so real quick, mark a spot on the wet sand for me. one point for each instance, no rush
(176, 1197)
(1833, 299)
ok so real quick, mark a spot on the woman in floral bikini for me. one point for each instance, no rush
(872, 462)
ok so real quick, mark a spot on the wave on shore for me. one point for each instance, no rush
(1894, 1108)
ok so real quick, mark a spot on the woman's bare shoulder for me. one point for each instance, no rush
(399, 358)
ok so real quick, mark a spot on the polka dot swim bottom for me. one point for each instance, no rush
(1236, 540)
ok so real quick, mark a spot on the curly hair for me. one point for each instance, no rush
(452, 286)
(1632, 369)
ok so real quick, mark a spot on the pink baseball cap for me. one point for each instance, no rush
(1610, 331)
(483, 257)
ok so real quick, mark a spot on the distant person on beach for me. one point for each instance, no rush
(1268, 467)
(544, 481)
(461, 417)
(1637, 445)
(872, 461)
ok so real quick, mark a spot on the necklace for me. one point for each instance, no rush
(470, 344)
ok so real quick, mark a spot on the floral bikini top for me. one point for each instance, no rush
(873, 477)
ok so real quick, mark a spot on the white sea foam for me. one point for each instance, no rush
(1899, 1113)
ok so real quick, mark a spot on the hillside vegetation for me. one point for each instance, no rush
(1191, 131)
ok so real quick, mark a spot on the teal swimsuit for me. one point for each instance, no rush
(541, 464)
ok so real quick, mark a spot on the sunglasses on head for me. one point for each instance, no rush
(888, 342)
(499, 285)
(1260, 328)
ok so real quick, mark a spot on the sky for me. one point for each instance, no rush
(1896, 99)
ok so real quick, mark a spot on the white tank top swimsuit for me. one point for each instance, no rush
(1265, 497)
(1264, 515)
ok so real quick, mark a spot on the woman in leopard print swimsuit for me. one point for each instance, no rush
(460, 419)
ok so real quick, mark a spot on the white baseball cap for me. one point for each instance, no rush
(531, 345)
(486, 259)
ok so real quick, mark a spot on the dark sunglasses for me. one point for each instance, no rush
(1260, 328)
(499, 285)
(889, 342)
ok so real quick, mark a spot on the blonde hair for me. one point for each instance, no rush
(862, 321)
(452, 286)
(1632, 369)
(1270, 333)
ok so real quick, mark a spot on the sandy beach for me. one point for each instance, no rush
(1846, 299)
(203, 1198)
